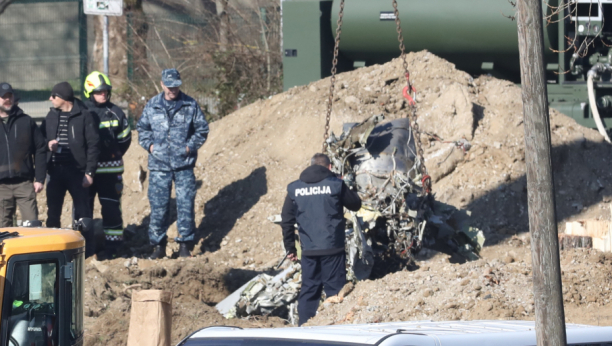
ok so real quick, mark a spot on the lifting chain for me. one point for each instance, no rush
(333, 74)
(426, 179)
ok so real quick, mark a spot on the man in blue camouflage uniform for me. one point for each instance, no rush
(172, 128)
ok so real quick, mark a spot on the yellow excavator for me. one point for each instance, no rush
(41, 285)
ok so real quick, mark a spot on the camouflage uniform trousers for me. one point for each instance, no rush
(160, 187)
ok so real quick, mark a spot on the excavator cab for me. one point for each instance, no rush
(41, 287)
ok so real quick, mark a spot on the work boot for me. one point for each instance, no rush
(184, 250)
(159, 251)
(85, 226)
(111, 251)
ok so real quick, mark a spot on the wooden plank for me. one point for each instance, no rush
(574, 241)
(591, 228)
(598, 230)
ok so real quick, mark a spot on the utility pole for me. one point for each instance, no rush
(548, 297)
(105, 43)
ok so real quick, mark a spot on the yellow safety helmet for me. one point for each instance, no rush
(97, 81)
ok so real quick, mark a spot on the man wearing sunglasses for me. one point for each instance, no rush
(72, 138)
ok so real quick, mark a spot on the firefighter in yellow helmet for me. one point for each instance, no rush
(115, 139)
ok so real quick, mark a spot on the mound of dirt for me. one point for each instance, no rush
(496, 287)
(197, 284)
(252, 154)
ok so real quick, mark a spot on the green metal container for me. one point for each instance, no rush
(478, 36)
(467, 33)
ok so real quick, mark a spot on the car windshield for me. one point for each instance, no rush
(261, 342)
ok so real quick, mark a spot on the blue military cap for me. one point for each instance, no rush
(171, 78)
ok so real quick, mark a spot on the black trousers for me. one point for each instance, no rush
(318, 273)
(108, 187)
(62, 179)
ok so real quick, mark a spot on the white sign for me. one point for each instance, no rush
(103, 7)
(35, 282)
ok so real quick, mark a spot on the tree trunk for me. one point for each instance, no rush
(550, 317)
(118, 45)
(223, 24)
(139, 28)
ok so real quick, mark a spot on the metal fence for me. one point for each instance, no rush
(43, 42)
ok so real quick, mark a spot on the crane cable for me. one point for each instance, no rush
(333, 74)
(425, 178)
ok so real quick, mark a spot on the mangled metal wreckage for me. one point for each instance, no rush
(397, 219)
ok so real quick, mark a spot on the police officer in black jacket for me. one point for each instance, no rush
(316, 202)
(72, 138)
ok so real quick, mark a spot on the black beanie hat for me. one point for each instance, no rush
(64, 91)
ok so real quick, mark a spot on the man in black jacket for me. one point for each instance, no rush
(316, 202)
(115, 139)
(72, 138)
(22, 163)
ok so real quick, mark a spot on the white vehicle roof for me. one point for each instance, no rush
(418, 333)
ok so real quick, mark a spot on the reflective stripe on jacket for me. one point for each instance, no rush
(115, 136)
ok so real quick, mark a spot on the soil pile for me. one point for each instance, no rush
(499, 286)
(197, 284)
(252, 154)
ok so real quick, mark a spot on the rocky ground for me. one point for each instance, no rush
(496, 287)
(252, 154)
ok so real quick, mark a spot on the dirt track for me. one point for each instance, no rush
(253, 153)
